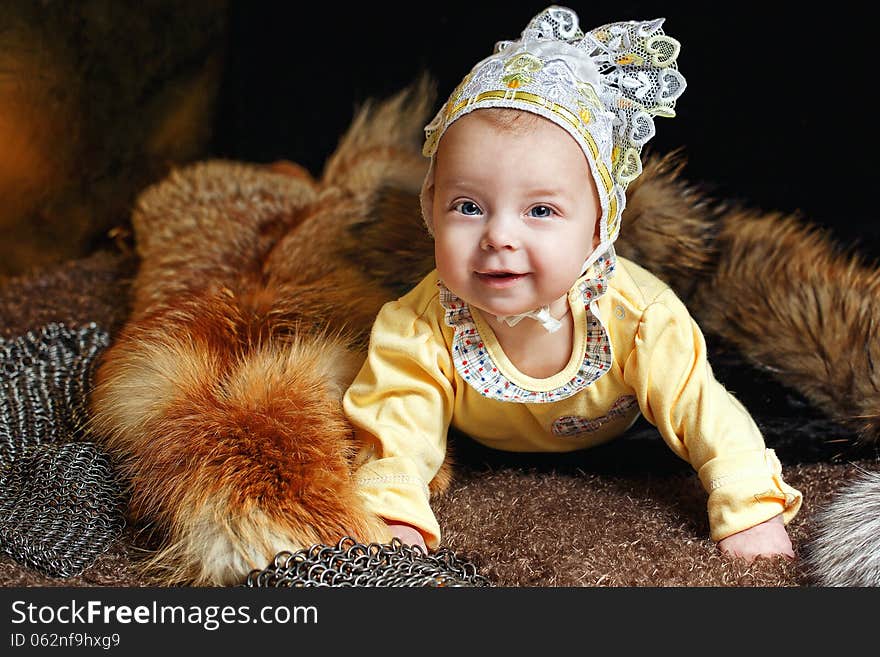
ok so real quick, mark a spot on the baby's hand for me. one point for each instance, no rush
(408, 535)
(767, 539)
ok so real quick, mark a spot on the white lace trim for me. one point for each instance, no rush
(476, 366)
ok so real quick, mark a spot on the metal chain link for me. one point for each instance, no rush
(61, 504)
(45, 378)
(59, 508)
(350, 563)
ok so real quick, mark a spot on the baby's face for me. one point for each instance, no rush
(515, 213)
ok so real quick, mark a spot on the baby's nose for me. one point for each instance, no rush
(501, 232)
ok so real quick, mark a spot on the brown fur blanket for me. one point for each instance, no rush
(245, 311)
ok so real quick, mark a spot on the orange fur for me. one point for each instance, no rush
(221, 397)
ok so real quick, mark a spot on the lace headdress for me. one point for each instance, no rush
(604, 87)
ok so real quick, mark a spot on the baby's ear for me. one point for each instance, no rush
(426, 200)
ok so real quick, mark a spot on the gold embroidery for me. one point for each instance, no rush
(519, 69)
(630, 58)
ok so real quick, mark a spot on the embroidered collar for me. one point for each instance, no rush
(472, 345)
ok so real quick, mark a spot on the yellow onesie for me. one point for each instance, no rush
(433, 361)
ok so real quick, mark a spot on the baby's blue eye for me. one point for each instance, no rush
(541, 212)
(469, 208)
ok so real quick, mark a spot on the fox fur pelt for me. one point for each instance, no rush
(220, 398)
(845, 550)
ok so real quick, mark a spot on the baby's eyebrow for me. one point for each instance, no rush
(462, 186)
(547, 192)
(461, 182)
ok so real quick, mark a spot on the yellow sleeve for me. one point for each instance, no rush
(703, 423)
(401, 404)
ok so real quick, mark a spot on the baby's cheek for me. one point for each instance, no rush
(451, 249)
(443, 260)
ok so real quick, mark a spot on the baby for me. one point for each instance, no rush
(531, 334)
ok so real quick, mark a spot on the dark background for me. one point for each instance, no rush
(778, 113)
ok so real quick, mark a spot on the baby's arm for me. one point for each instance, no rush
(708, 427)
(767, 539)
(400, 406)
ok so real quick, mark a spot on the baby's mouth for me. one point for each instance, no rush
(497, 276)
